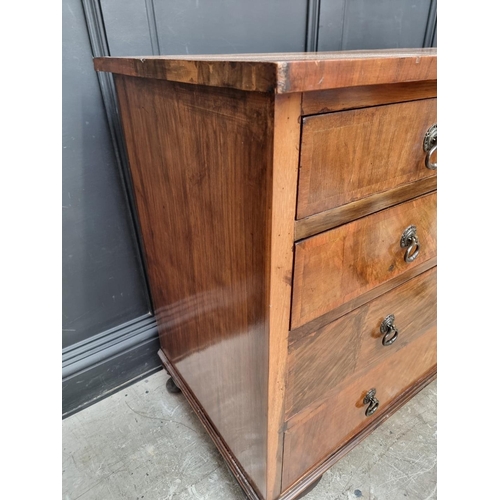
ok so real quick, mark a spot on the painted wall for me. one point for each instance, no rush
(109, 336)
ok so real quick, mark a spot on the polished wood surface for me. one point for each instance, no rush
(349, 155)
(347, 307)
(233, 464)
(200, 160)
(284, 72)
(301, 484)
(267, 321)
(337, 266)
(319, 430)
(358, 68)
(318, 362)
(325, 101)
(284, 183)
(317, 223)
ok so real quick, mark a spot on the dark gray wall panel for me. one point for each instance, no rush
(331, 21)
(430, 39)
(102, 281)
(312, 25)
(368, 24)
(230, 26)
(109, 339)
(128, 27)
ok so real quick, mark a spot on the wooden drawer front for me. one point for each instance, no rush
(320, 361)
(340, 265)
(349, 155)
(318, 431)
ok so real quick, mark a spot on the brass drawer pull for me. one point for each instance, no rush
(409, 240)
(371, 401)
(430, 146)
(388, 330)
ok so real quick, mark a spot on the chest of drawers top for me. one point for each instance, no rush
(282, 73)
(287, 207)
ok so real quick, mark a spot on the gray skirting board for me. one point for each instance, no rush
(98, 367)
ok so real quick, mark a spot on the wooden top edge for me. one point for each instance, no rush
(277, 57)
(282, 72)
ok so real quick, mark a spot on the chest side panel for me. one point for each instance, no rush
(199, 159)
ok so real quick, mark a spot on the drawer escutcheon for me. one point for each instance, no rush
(409, 240)
(388, 330)
(371, 401)
(430, 146)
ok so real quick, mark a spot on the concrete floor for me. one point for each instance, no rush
(144, 443)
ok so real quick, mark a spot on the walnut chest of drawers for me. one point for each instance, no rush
(287, 204)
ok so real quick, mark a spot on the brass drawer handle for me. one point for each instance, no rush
(371, 401)
(409, 240)
(388, 330)
(430, 146)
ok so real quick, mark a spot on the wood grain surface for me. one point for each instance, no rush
(242, 306)
(283, 72)
(311, 476)
(349, 155)
(284, 183)
(319, 430)
(337, 266)
(325, 101)
(320, 361)
(347, 307)
(200, 160)
(317, 223)
(232, 463)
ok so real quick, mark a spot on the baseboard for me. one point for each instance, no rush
(106, 363)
